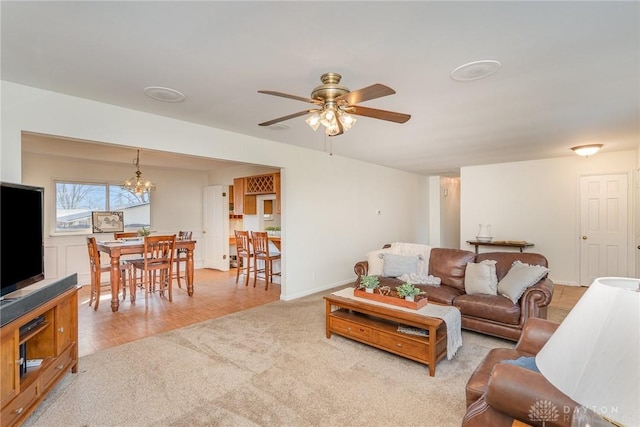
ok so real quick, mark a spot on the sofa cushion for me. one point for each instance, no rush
(480, 278)
(519, 278)
(440, 294)
(490, 307)
(375, 262)
(417, 249)
(449, 265)
(506, 259)
(397, 265)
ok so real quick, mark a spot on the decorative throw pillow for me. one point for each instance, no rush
(519, 278)
(481, 278)
(397, 265)
(524, 362)
(375, 261)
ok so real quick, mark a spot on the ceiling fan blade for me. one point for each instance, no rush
(290, 116)
(286, 95)
(378, 114)
(365, 94)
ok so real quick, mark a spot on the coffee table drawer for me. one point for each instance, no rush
(347, 328)
(398, 344)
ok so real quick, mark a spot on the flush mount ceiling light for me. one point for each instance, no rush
(586, 150)
(475, 70)
(164, 94)
(136, 185)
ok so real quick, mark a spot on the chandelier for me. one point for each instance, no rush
(136, 184)
(333, 118)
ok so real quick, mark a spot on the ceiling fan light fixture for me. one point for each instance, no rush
(347, 120)
(314, 121)
(587, 149)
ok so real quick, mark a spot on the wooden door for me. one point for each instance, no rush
(604, 227)
(216, 227)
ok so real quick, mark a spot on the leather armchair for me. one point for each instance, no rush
(499, 393)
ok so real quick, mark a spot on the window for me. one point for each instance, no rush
(76, 200)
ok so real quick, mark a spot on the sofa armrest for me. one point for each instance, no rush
(361, 268)
(535, 300)
(506, 394)
(535, 334)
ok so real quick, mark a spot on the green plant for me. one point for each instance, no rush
(369, 282)
(144, 231)
(408, 290)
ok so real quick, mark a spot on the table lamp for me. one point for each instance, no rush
(594, 355)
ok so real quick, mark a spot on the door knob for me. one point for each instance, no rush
(584, 237)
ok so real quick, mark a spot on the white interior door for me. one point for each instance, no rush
(604, 227)
(216, 227)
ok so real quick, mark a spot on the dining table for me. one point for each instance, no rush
(116, 248)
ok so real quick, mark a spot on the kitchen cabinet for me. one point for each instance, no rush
(276, 185)
(246, 190)
(238, 196)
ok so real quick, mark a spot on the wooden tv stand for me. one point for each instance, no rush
(54, 341)
(377, 326)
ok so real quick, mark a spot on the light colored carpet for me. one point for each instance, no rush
(267, 366)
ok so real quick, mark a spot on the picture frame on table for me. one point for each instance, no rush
(107, 221)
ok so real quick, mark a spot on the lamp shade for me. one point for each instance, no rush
(594, 355)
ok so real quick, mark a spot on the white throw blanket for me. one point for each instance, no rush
(450, 315)
(413, 249)
(420, 279)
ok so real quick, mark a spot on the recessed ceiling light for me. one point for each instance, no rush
(475, 70)
(164, 94)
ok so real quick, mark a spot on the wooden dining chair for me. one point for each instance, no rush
(181, 257)
(156, 266)
(262, 252)
(245, 254)
(96, 268)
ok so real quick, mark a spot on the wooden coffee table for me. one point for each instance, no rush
(377, 326)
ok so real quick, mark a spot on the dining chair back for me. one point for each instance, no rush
(243, 248)
(181, 257)
(96, 268)
(125, 235)
(156, 265)
(262, 252)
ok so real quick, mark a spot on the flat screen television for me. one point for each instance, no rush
(21, 236)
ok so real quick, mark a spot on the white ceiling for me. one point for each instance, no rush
(570, 74)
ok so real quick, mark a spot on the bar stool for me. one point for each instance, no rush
(261, 252)
(243, 247)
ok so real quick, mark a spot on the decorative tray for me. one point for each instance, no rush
(393, 299)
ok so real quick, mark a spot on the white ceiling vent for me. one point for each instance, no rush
(475, 70)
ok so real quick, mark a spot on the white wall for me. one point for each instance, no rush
(329, 203)
(535, 201)
(444, 212)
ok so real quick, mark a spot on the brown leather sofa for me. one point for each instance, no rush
(489, 314)
(499, 393)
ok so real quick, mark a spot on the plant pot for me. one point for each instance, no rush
(368, 290)
(410, 298)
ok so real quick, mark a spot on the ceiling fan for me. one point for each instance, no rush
(336, 105)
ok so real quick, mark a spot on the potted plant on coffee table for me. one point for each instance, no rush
(408, 291)
(369, 283)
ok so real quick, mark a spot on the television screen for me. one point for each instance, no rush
(21, 236)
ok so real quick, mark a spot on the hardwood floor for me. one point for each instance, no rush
(215, 294)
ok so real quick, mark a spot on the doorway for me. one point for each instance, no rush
(605, 231)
